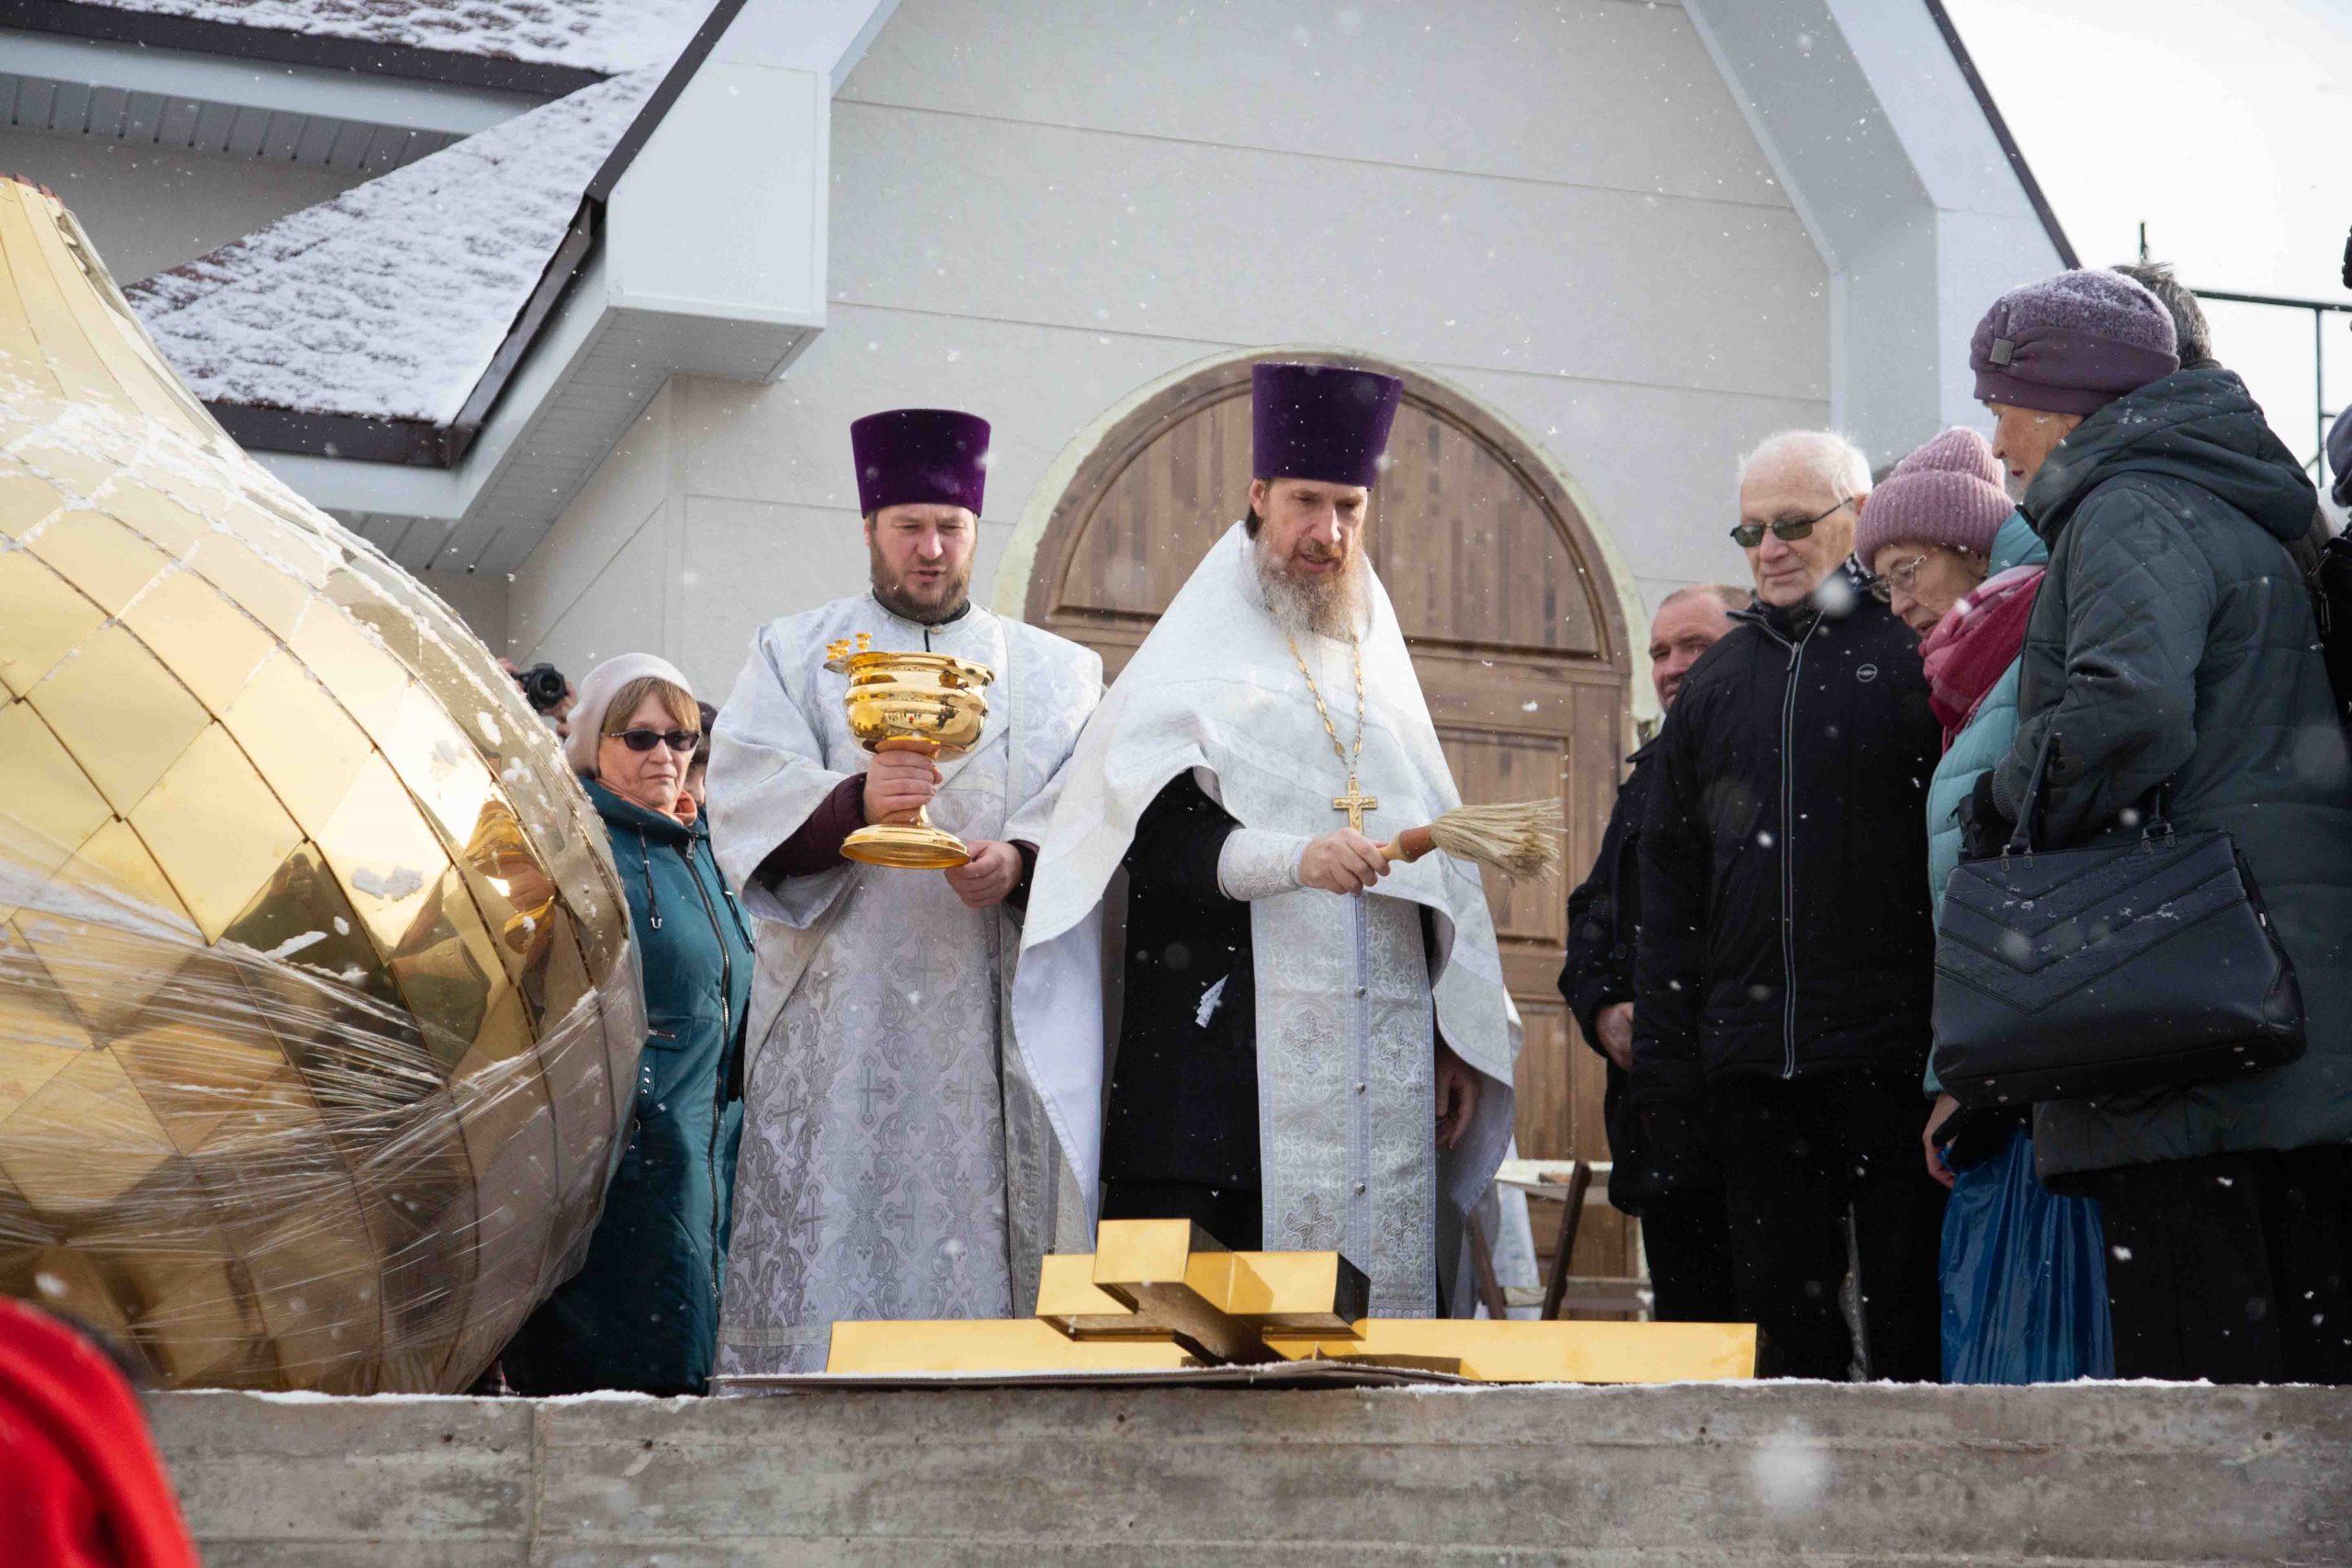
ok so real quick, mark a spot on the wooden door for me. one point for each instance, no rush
(1514, 629)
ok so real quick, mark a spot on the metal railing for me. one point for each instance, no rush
(2320, 311)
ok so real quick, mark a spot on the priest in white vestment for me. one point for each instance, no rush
(895, 1162)
(1312, 1046)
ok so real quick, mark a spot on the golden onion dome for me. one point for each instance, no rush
(319, 1015)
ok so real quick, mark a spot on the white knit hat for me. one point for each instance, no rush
(596, 693)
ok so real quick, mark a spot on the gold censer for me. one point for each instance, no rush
(909, 702)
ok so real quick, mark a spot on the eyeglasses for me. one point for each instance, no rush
(682, 742)
(1750, 534)
(1902, 575)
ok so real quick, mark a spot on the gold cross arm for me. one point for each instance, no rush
(1355, 803)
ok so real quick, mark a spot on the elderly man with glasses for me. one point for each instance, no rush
(1784, 959)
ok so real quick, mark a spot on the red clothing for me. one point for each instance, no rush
(1977, 640)
(80, 1485)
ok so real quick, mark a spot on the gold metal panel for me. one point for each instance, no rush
(317, 1284)
(194, 1077)
(383, 853)
(1515, 1351)
(208, 642)
(440, 766)
(38, 1029)
(216, 829)
(153, 515)
(46, 616)
(989, 1345)
(192, 1317)
(303, 915)
(98, 556)
(60, 352)
(106, 971)
(47, 1144)
(450, 975)
(297, 549)
(365, 679)
(230, 1141)
(114, 866)
(48, 804)
(121, 714)
(299, 738)
(267, 594)
(26, 499)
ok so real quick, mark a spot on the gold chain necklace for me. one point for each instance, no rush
(1355, 803)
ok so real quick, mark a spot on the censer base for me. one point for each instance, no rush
(907, 848)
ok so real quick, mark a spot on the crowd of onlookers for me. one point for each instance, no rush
(2096, 628)
(2099, 631)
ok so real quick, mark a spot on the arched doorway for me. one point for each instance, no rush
(1506, 600)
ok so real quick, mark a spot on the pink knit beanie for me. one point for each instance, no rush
(1947, 492)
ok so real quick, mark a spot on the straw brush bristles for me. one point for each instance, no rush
(1521, 838)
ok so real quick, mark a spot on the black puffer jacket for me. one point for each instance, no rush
(2174, 640)
(1785, 926)
(1604, 922)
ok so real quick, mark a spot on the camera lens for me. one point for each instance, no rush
(543, 686)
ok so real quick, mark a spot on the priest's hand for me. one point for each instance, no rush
(1345, 862)
(1457, 1098)
(992, 874)
(899, 784)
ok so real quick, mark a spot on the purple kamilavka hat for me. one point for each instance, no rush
(921, 457)
(1321, 421)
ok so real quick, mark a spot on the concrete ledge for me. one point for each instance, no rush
(1722, 1475)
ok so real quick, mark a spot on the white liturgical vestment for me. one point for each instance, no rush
(1347, 995)
(896, 1163)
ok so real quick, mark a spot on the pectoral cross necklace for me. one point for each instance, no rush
(1355, 803)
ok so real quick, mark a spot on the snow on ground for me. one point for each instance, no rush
(610, 36)
(389, 300)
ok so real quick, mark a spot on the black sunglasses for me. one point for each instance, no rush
(680, 740)
(1750, 534)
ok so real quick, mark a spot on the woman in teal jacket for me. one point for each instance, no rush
(2024, 1280)
(642, 1313)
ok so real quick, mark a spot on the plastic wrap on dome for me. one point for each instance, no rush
(319, 1015)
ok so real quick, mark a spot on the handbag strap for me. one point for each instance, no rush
(2158, 820)
(2021, 836)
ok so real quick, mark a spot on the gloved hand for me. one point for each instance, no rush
(1982, 830)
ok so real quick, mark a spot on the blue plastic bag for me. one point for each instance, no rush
(2024, 1278)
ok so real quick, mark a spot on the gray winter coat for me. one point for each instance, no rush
(2174, 640)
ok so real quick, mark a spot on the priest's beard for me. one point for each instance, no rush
(911, 597)
(1327, 605)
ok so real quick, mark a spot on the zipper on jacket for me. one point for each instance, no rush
(726, 1040)
(1788, 845)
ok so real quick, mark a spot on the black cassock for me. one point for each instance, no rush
(1180, 1135)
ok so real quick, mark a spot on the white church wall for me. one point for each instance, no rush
(147, 209)
(601, 582)
(1038, 208)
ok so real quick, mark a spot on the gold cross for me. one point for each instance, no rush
(1355, 803)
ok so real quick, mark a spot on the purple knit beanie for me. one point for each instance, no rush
(1948, 493)
(2072, 344)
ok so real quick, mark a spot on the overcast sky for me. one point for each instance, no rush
(2226, 125)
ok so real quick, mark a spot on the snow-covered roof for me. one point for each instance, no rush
(390, 300)
(605, 36)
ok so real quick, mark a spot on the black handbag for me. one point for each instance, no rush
(2075, 974)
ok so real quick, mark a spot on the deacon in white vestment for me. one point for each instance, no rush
(895, 1162)
(1313, 1048)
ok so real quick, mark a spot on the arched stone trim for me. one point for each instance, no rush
(1052, 522)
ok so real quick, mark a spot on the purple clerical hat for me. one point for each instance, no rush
(921, 457)
(1321, 421)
